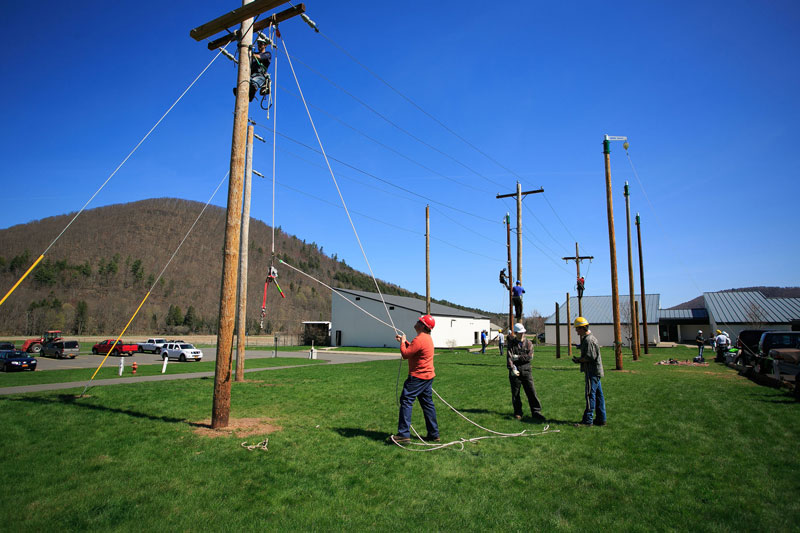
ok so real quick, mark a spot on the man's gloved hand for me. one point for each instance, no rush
(514, 357)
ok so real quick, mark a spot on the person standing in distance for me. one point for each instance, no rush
(520, 355)
(500, 340)
(592, 368)
(701, 342)
(419, 384)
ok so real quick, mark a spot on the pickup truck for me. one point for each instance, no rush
(61, 349)
(121, 348)
(152, 345)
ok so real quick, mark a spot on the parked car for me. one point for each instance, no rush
(12, 360)
(181, 351)
(153, 345)
(772, 340)
(747, 343)
(62, 349)
(121, 348)
(7, 346)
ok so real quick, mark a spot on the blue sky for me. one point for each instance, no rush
(706, 92)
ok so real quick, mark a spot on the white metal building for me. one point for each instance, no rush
(351, 326)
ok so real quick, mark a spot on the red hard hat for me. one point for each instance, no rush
(428, 321)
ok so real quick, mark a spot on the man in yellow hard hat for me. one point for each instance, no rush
(594, 412)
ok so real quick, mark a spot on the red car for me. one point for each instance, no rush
(121, 348)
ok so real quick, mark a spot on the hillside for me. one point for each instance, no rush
(768, 292)
(98, 272)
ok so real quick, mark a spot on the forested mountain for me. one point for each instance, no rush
(96, 275)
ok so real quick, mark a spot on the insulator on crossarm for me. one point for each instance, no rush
(311, 23)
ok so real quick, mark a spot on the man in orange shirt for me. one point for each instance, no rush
(419, 384)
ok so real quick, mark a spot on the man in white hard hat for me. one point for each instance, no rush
(700, 345)
(520, 355)
(594, 413)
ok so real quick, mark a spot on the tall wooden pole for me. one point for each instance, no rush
(519, 232)
(569, 329)
(227, 311)
(427, 259)
(241, 332)
(634, 326)
(510, 274)
(612, 245)
(636, 321)
(641, 280)
(558, 332)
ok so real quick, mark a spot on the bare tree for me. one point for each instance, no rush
(755, 316)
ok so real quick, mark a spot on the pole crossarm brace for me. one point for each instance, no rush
(237, 16)
(514, 194)
(578, 258)
(272, 20)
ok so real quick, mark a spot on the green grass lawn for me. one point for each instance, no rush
(686, 448)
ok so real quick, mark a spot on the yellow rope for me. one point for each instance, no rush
(25, 275)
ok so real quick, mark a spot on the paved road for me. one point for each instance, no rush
(209, 354)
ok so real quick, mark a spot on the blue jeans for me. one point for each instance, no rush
(700, 350)
(595, 401)
(500, 345)
(419, 389)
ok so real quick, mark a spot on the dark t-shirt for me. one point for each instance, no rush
(260, 62)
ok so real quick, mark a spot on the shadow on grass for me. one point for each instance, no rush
(509, 415)
(350, 433)
(72, 399)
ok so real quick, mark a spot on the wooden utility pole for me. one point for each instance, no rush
(510, 274)
(220, 410)
(612, 245)
(569, 329)
(558, 333)
(636, 320)
(241, 332)
(519, 194)
(641, 280)
(427, 259)
(578, 258)
(634, 328)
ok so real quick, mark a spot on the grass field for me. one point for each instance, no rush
(686, 448)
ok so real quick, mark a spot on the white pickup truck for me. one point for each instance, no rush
(152, 346)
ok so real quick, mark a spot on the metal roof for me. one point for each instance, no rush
(597, 309)
(413, 304)
(750, 307)
(683, 314)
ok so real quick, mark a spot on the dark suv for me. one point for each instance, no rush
(747, 343)
(771, 340)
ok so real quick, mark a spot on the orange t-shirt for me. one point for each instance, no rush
(419, 353)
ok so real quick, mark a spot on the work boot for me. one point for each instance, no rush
(399, 440)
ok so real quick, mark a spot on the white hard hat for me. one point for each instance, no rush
(699, 331)
(519, 328)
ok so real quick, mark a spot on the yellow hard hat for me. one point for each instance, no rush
(581, 322)
(718, 332)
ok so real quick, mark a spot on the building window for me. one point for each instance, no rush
(391, 308)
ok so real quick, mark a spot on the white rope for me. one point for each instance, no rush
(281, 261)
(274, 129)
(259, 446)
(132, 151)
(352, 225)
(428, 447)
